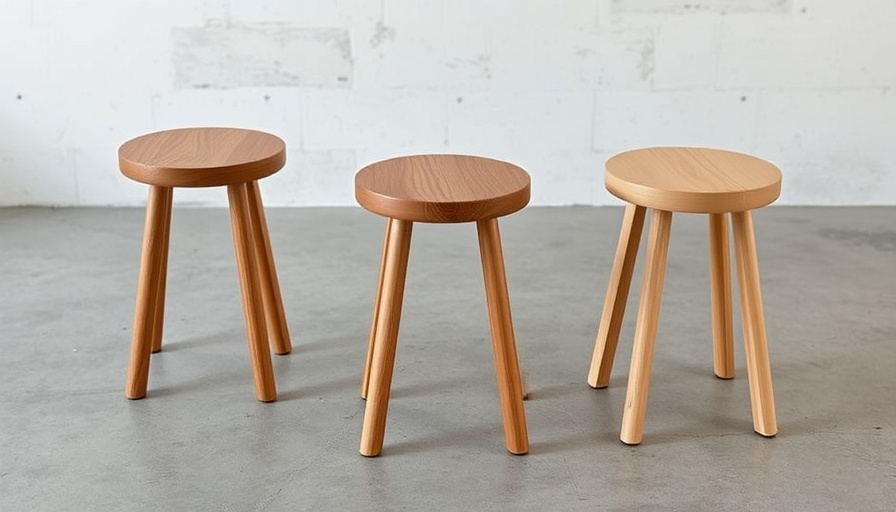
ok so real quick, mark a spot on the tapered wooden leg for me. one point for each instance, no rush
(159, 305)
(253, 309)
(388, 318)
(267, 274)
(365, 382)
(507, 367)
(157, 213)
(645, 331)
(758, 367)
(720, 292)
(617, 295)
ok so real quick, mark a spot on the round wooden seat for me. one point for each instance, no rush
(201, 157)
(208, 157)
(695, 180)
(442, 188)
(721, 184)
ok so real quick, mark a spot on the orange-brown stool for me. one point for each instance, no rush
(692, 180)
(208, 157)
(440, 189)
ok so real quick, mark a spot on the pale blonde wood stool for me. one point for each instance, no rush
(440, 189)
(692, 180)
(208, 157)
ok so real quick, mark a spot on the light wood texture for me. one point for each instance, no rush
(201, 157)
(720, 293)
(267, 273)
(147, 291)
(259, 351)
(442, 188)
(365, 383)
(617, 296)
(507, 368)
(645, 331)
(696, 180)
(388, 320)
(759, 371)
(159, 305)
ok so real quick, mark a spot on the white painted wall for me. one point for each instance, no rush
(556, 86)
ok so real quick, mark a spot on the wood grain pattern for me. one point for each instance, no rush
(510, 389)
(371, 341)
(253, 309)
(720, 296)
(696, 180)
(442, 188)
(645, 330)
(201, 157)
(617, 296)
(388, 321)
(759, 371)
(147, 292)
(159, 305)
(278, 330)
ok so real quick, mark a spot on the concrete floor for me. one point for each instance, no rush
(69, 440)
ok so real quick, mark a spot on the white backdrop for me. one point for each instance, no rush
(556, 86)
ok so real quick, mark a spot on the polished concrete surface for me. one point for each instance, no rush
(69, 440)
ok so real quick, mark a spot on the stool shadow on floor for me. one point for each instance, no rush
(427, 388)
(577, 434)
(192, 342)
(330, 388)
(210, 383)
(326, 344)
(583, 442)
(460, 438)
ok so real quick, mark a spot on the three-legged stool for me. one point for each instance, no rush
(693, 180)
(440, 189)
(208, 157)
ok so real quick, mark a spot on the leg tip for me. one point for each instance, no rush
(281, 346)
(597, 383)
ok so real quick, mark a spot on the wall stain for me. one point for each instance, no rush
(483, 61)
(646, 65)
(381, 34)
(716, 6)
(261, 55)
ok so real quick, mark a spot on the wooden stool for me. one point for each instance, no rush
(440, 188)
(692, 180)
(208, 157)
